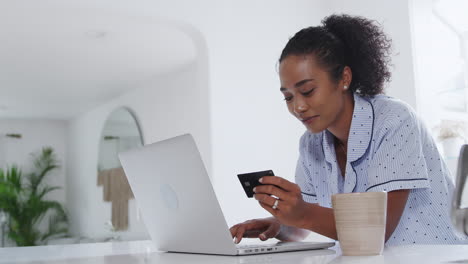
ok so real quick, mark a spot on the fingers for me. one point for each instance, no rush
(271, 232)
(240, 234)
(266, 199)
(251, 228)
(233, 230)
(272, 190)
(236, 231)
(252, 233)
(256, 228)
(280, 182)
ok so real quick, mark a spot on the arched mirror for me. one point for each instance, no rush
(121, 132)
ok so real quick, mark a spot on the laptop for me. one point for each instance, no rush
(178, 203)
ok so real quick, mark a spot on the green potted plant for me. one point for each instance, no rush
(22, 198)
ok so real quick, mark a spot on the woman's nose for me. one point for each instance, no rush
(300, 107)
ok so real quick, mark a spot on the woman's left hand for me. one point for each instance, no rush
(290, 208)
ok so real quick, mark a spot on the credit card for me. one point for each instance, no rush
(250, 180)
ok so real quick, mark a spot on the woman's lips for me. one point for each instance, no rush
(309, 120)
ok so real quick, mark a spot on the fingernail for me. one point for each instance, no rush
(262, 236)
(254, 189)
(235, 240)
(260, 180)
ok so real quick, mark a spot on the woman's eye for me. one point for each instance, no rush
(288, 98)
(308, 92)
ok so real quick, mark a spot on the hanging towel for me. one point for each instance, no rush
(116, 190)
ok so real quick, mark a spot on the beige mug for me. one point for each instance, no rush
(360, 222)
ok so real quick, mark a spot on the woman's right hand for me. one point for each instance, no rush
(264, 229)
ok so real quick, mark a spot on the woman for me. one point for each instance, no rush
(357, 140)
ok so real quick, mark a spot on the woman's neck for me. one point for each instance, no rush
(340, 128)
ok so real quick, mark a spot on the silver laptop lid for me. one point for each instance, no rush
(176, 198)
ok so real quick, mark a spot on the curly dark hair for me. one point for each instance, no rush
(344, 40)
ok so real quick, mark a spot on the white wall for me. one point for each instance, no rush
(36, 134)
(170, 105)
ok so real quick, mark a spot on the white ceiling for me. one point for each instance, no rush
(57, 60)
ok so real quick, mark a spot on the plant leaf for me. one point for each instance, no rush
(25, 205)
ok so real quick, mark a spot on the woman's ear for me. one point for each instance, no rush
(347, 77)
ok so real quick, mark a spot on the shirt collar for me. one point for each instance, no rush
(360, 133)
(362, 125)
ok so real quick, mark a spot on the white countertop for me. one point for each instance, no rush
(144, 252)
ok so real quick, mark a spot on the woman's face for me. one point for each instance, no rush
(310, 94)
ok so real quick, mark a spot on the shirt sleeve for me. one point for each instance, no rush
(303, 177)
(398, 161)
